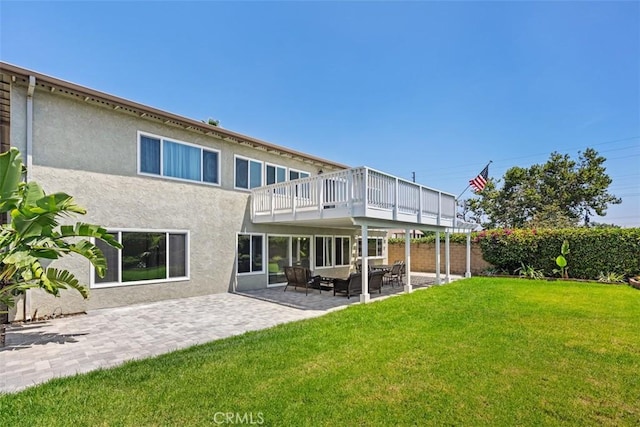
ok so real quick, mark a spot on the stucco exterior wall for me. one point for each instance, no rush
(18, 130)
(90, 152)
(71, 134)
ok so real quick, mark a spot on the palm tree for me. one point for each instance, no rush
(33, 233)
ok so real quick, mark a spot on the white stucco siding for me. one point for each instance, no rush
(90, 152)
(211, 216)
(18, 116)
(72, 134)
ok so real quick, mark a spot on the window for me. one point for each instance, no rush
(343, 251)
(250, 247)
(374, 247)
(177, 160)
(248, 173)
(324, 251)
(146, 256)
(275, 174)
(294, 174)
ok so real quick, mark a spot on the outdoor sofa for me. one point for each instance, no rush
(301, 276)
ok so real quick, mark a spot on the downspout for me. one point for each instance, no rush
(26, 307)
(29, 153)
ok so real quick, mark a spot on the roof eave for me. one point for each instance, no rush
(166, 117)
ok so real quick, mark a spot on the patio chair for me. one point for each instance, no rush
(395, 274)
(300, 276)
(375, 281)
(359, 267)
(350, 286)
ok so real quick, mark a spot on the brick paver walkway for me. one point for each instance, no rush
(36, 352)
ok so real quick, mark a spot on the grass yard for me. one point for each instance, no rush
(482, 351)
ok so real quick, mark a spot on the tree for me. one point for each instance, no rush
(33, 234)
(559, 193)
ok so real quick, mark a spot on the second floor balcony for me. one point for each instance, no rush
(352, 196)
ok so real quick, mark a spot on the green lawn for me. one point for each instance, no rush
(483, 351)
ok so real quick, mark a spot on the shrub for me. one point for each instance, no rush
(593, 250)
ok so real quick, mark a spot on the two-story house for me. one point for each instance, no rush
(199, 209)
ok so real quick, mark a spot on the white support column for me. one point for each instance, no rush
(438, 258)
(468, 272)
(447, 258)
(407, 256)
(365, 297)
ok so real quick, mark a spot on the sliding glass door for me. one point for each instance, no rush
(279, 257)
(286, 251)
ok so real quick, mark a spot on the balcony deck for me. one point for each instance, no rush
(351, 197)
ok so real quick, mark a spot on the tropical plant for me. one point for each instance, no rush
(561, 261)
(33, 234)
(611, 277)
(529, 272)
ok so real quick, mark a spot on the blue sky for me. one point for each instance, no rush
(435, 88)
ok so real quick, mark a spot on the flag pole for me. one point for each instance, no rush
(469, 185)
(465, 190)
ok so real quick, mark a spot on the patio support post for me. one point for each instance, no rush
(468, 272)
(438, 258)
(447, 258)
(364, 297)
(407, 256)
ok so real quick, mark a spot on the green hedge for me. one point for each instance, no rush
(592, 251)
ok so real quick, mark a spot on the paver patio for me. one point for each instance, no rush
(39, 351)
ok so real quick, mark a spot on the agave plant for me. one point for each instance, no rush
(610, 277)
(529, 272)
(33, 233)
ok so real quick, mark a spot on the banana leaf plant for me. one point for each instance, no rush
(561, 261)
(32, 233)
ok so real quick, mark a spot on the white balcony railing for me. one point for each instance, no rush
(353, 193)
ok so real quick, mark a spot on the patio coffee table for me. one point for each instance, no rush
(326, 283)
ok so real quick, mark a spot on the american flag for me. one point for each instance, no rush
(480, 181)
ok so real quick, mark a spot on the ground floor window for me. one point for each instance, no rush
(324, 251)
(374, 247)
(146, 256)
(343, 250)
(250, 248)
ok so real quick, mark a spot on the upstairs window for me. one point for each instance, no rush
(275, 174)
(294, 174)
(248, 173)
(178, 160)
